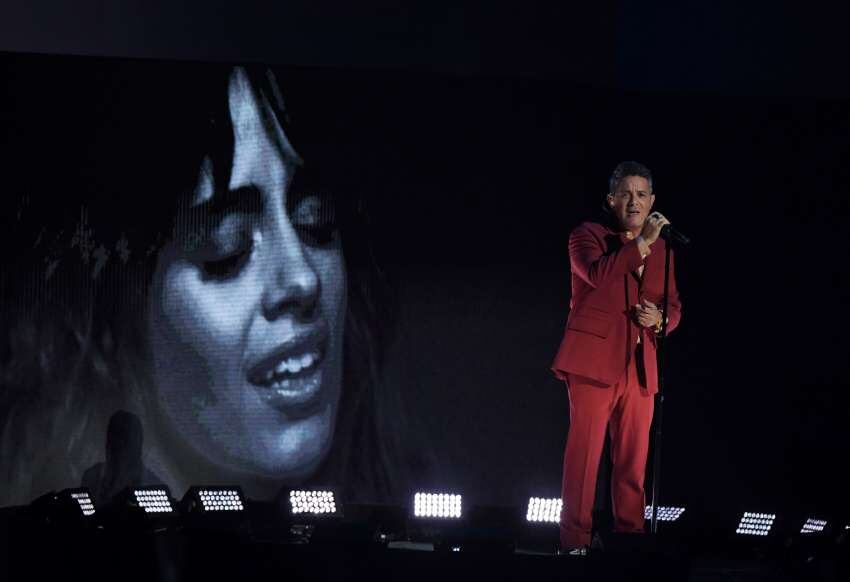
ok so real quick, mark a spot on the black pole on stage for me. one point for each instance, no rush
(659, 397)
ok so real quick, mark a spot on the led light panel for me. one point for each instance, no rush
(153, 500)
(813, 525)
(223, 499)
(545, 510)
(755, 524)
(313, 502)
(441, 505)
(85, 502)
(665, 513)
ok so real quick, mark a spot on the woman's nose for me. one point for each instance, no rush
(293, 283)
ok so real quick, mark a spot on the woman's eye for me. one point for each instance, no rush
(226, 266)
(226, 252)
(225, 248)
(314, 220)
(317, 235)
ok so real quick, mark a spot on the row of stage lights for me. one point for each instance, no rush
(206, 499)
(543, 510)
(426, 505)
(761, 524)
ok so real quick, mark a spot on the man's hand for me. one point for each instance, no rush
(647, 315)
(652, 227)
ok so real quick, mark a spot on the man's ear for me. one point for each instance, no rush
(610, 199)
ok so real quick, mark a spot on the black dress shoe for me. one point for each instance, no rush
(596, 543)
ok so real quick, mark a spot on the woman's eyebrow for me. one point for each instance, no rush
(245, 198)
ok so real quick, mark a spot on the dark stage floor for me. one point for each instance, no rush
(196, 551)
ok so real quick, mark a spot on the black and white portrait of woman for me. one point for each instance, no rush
(257, 306)
(190, 250)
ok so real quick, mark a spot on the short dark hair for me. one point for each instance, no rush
(630, 168)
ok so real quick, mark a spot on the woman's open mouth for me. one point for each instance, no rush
(290, 380)
(290, 368)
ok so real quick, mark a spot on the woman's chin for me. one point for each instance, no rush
(293, 452)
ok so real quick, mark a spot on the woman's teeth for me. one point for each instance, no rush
(292, 365)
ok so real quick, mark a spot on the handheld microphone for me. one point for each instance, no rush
(669, 233)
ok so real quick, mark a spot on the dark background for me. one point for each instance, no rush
(496, 130)
(757, 400)
(761, 48)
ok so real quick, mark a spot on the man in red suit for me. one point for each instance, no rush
(607, 355)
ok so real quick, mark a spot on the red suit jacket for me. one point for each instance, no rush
(601, 334)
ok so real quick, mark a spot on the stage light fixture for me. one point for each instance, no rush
(544, 510)
(813, 525)
(665, 513)
(313, 502)
(82, 498)
(136, 509)
(437, 505)
(221, 500)
(755, 524)
(154, 499)
(215, 499)
(220, 509)
(67, 508)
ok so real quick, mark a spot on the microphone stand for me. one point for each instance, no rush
(659, 397)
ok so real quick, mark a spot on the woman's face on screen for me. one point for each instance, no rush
(247, 309)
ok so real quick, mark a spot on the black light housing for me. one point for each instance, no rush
(69, 507)
(146, 508)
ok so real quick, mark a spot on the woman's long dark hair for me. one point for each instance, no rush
(103, 152)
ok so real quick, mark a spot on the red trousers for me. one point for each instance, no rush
(625, 410)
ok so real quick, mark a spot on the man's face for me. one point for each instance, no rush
(631, 202)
